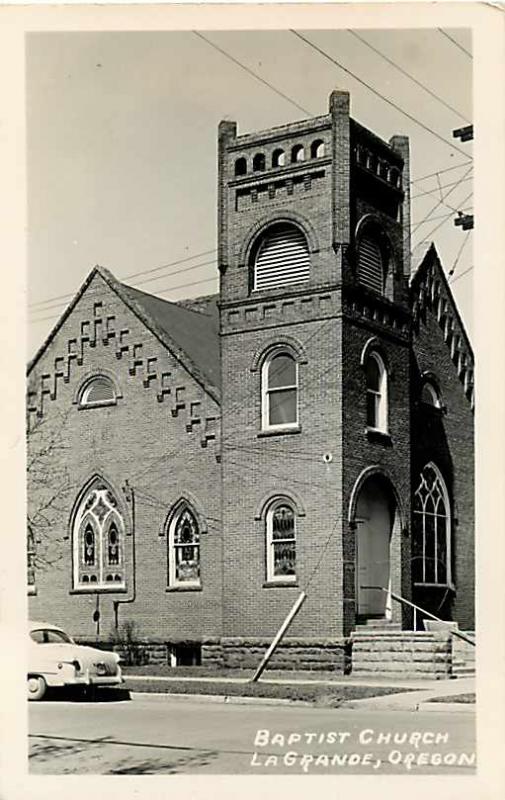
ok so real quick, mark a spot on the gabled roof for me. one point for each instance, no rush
(192, 336)
(426, 265)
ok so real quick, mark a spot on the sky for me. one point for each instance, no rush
(122, 134)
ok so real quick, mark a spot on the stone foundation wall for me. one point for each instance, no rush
(405, 654)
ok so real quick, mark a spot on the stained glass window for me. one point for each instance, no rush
(431, 561)
(184, 550)
(281, 542)
(98, 540)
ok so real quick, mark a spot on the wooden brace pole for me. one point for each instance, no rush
(278, 636)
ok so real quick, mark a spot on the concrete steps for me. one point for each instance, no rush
(382, 649)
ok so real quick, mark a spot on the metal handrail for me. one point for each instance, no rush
(400, 599)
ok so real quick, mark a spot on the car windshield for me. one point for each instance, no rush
(49, 636)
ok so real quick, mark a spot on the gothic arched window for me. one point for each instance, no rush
(279, 390)
(184, 549)
(431, 561)
(98, 540)
(376, 393)
(430, 395)
(281, 542)
(281, 257)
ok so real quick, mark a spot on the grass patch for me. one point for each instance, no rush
(455, 698)
(331, 696)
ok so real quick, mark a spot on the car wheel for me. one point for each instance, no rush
(36, 687)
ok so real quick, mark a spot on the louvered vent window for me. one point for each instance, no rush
(98, 391)
(370, 266)
(282, 258)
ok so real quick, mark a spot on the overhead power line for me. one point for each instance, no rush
(135, 274)
(408, 75)
(252, 73)
(377, 93)
(451, 39)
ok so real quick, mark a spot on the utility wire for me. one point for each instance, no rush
(169, 289)
(377, 93)
(139, 283)
(461, 274)
(440, 187)
(458, 256)
(408, 75)
(135, 274)
(252, 73)
(444, 33)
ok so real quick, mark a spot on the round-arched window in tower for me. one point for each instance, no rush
(281, 257)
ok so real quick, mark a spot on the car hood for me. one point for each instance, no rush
(71, 652)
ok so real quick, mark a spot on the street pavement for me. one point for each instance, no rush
(162, 734)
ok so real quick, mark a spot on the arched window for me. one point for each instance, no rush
(279, 391)
(259, 162)
(184, 549)
(278, 158)
(241, 166)
(297, 153)
(430, 395)
(376, 393)
(281, 542)
(281, 257)
(317, 149)
(431, 561)
(98, 391)
(371, 271)
(98, 540)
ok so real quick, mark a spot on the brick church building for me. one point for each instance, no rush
(309, 428)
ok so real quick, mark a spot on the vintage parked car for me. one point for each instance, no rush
(54, 659)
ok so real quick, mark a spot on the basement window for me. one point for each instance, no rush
(188, 654)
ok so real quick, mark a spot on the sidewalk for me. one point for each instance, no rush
(412, 701)
(412, 694)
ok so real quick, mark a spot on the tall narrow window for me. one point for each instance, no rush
(30, 561)
(98, 535)
(281, 542)
(431, 563)
(370, 264)
(279, 391)
(259, 162)
(281, 258)
(376, 393)
(184, 550)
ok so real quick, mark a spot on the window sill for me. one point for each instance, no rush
(449, 585)
(98, 404)
(279, 431)
(377, 435)
(279, 584)
(32, 590)
(99, 588)
(193, 588)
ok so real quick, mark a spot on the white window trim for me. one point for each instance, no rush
(448, 530)
(85, 403)
(101, 584)
(380, 398)
(266, 392)
(270, 546)
(172, 580)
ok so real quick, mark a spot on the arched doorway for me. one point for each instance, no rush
(374, 517)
